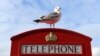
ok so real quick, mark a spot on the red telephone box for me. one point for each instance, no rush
(51, 42)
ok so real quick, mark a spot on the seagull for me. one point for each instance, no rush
(51, 18)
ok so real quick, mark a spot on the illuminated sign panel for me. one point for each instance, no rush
(51, 49)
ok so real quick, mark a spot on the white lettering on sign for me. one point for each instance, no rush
(51, 49)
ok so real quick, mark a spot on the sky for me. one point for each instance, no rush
(16, 16)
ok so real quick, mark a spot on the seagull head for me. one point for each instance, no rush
(57, 9)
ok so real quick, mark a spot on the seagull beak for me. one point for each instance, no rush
(59, 8)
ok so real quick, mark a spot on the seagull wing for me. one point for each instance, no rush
(49, 16)
(53, 15)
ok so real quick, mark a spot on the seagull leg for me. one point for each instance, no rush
(50, 25)
(53, 25)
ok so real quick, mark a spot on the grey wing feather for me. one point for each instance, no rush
(42, 17)
(51, 15)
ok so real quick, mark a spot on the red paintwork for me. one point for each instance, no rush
(38, 37)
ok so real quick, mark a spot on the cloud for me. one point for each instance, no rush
(96, 51)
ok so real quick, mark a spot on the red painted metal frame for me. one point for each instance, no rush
(69, 38)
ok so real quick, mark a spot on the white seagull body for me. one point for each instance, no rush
(51, 18)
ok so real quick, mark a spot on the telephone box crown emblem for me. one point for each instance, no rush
(51, 37)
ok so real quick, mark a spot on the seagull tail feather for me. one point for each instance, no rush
(37, 20)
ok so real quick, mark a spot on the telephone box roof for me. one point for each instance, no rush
(19, 36)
